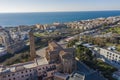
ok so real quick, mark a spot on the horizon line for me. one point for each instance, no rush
(57, 11)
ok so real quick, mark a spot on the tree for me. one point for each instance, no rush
(72, 43)
(83, 53)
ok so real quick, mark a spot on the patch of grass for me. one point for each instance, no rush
(109, 44)
(114, 30)
(40, 34)
(118, 47)
(105, 69)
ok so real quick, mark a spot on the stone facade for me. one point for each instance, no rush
(32, 46)
(40, 72)
(57, 59)
(64, 57)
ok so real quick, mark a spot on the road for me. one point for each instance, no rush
(41, 52)
(83, 68)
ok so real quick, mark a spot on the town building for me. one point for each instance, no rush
(93, 23)
(65, 57)
(111, 56)
(60, 76)
(16, 46)
(5, 38)
(39, 26)
(3, 51)
(81, 76)
(42, 68)
(12, 40)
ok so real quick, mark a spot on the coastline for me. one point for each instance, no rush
(16, 19)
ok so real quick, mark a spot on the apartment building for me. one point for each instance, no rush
(111, 56)
(28, 71)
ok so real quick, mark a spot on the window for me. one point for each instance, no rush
(22, 76)
(112, 57)
(110, 53)
(4, 76)
(51, 73)
(13, 78)
(22, 72)
(13, 74)
(8, 75)
(30, 74)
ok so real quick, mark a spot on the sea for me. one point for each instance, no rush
(16, 19)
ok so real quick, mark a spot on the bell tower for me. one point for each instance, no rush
(32, 45)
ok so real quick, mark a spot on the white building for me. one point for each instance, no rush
(110, 56)
(3, 51)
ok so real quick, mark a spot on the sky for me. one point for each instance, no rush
(7, 6)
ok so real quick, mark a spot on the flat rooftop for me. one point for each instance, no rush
(27, 65)
(113, 51)
(60, 75)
